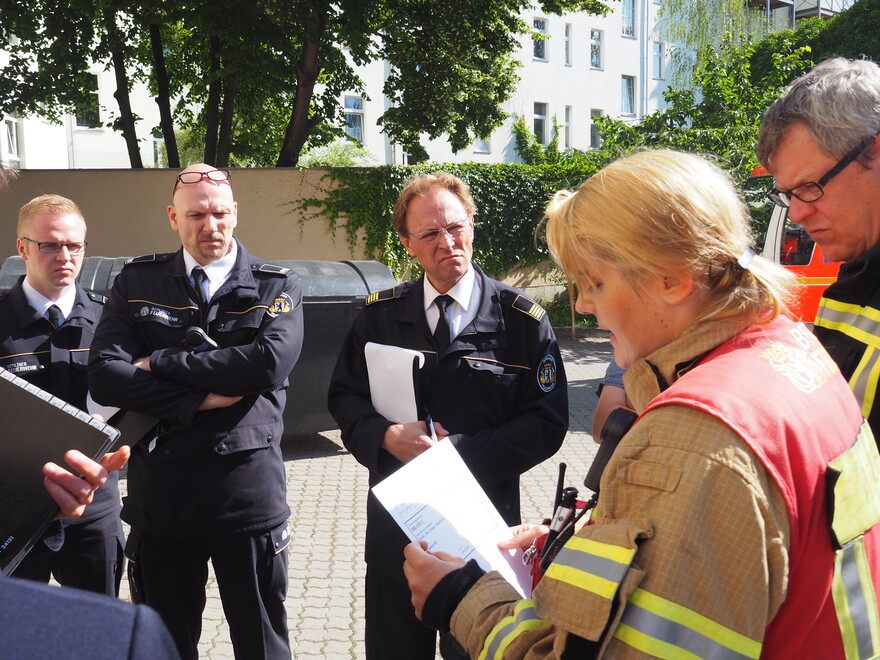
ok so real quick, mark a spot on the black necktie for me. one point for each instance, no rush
(199, 277)
(441, 332)
(54, 316)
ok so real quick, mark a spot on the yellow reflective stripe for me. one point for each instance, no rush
(655, 647)
(817, 281)
(523, 619)
(863, 382)
(861, 323)
(855, 602)
(586, 581)
(856, 492)
(663, 623)
(592, 566)
(605, 550)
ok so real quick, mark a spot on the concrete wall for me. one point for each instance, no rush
(125, 211)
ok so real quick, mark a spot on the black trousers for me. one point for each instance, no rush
(170, 575)
(392, 631)
(90, 558)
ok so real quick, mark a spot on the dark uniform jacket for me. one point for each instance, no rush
(39, 621)
(55, 361)
(500, 391)
(848, 326)
(217, 471)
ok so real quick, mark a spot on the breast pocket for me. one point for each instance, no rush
(236, 328)
(490, 372)
(161, 326)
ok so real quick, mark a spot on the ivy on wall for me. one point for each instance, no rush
(510, 200)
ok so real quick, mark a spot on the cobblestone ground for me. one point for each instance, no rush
(327, 488)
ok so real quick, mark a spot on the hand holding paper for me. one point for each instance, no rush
(435, 498)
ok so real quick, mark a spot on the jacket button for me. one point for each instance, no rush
(221, 447)
(269, 439)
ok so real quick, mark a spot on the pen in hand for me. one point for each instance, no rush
(429, 422)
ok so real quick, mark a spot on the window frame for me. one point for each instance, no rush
(350, 113)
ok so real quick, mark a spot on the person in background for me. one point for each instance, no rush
(493, 380)
(47, 322)
(612, 395)
(821, 142)
(209, 483)
(739, 515)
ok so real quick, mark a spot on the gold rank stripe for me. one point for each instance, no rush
(162, 305)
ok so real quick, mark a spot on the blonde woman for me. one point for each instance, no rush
(737, 517)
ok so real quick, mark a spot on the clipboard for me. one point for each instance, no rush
(393, 375)
(38, 427)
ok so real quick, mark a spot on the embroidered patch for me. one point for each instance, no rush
(547, 373)
(281, 305)
(158, 313)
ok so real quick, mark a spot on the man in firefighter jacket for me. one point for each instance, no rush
(47, 322)
(821, 142)
(209, 483)
(738, 518)
(493, 381)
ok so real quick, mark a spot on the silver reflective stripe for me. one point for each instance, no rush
(675, 634)
(602, 567)
(864, 379)
(524, 619)
(858, 608)
(852, 320)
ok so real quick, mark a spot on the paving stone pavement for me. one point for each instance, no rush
(327, 488)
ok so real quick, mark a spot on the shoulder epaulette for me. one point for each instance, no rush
(272, 269)
(96, 297)
(529, 307)
(380, 296)
(150, 258)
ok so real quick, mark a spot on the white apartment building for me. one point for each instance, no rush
(80, 141)
(587, 66)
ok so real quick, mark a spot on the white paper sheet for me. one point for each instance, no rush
(392, 386)
(436, 498)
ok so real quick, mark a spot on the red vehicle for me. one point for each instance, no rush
(788, 244)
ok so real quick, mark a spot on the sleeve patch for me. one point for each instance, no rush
(281, 305)
(547, 373)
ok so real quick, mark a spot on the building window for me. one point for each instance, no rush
(354, 118)
(596, 49)
(628, 15)
(595, 140)
(659, 56)
(11, 139)
(482, 146)
(627, 95)
(540, 123)
(90, 117)
(566, 128)
(539, 42)
(568, 44)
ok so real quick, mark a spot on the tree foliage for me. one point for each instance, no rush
(720, 116)
(258, 81)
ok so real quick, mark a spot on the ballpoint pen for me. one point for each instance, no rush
(429, 422)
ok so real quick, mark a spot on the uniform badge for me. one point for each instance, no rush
(547, 373)
(281, 305)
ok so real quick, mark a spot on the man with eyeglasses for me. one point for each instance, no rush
(47, 322)
(493, 382)
(821, 142)
(209, 483)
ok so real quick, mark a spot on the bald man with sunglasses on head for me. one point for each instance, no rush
(209, 482)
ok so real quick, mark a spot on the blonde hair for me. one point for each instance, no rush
(661, 211)
(54, 204)
(421, 185)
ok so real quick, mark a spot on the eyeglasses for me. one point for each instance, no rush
(433, 235)
(196, 177)
(55, 248)
(812, 191)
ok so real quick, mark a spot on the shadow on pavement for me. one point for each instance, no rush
(309, 445)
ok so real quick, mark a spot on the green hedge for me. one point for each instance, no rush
(510, 202)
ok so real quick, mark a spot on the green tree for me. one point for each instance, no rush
(258, 81)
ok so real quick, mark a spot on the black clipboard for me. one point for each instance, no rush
(37, 427)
